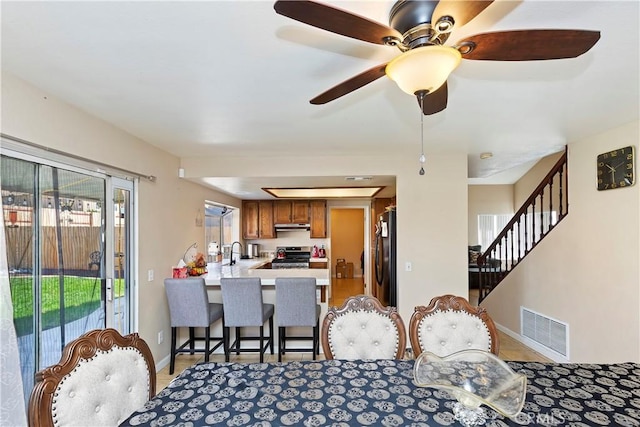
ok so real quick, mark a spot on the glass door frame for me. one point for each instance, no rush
(130, 272)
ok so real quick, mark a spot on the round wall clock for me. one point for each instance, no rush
(615, 169)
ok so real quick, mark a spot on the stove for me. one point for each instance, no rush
(292, 257)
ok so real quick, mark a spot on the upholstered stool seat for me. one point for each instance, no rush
(244, 307)
(189, 307)
(296, 306)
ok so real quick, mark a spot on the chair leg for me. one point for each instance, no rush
(281, 341)
(271, 333)
(227, 349)
(172, 363)
(262, 344)
(192, 340)
(315, 340)
(237, 341)
(225, 338)
(207, 343)
(318, 337)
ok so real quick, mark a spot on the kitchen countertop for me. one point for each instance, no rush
(249, 268)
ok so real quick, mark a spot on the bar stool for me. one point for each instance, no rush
(296, 302)
(243, 307)
(189, 307)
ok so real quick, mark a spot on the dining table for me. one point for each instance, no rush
(382, 393)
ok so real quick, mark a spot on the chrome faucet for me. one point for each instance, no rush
(231, 260)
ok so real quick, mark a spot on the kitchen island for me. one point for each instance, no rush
(254, 268)
(251, 268)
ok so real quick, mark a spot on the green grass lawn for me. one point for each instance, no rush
(81, 297)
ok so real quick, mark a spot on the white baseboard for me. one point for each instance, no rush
(162, 363)
(533, 345)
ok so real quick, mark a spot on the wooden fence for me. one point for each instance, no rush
(77, 244)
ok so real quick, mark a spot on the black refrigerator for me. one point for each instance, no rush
(386, 259)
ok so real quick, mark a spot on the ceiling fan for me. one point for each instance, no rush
(420, 30)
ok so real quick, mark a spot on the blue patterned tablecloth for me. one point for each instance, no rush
(381, 393)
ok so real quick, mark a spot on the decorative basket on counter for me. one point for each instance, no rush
(195, 261)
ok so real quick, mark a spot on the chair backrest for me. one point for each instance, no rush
(449, 324)
(296, 301)
(363, 329)
(188, 302)
(242, 301)
(101, 379)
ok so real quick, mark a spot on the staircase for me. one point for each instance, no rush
(547, 205)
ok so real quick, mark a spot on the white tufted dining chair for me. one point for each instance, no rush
(450, 324)
(363, 329)
(102, 377)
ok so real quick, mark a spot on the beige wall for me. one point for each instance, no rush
(487, 199)
(38, 117)
(431, 210)
(586, 272)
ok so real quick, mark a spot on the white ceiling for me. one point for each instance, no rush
(235, 78)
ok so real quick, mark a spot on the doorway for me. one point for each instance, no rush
(349, 242)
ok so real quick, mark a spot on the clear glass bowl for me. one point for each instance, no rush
(473, 378)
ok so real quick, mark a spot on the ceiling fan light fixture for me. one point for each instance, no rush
(423, 68)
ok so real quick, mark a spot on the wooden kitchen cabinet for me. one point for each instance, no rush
(291, 211)
(257, 219)
(318, 220)
(250, 219)
(266, 229)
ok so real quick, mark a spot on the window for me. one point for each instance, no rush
(489, 226)
(218, 225)
(526, 232)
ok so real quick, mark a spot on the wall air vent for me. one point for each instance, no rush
(545, 331)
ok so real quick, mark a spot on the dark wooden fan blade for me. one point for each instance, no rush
(347, 86)
(434, 102)
(529, 45)
(461, 11)
(336, 20)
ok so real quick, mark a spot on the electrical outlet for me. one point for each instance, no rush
(408, 266)
(150, 276)
(160, 337)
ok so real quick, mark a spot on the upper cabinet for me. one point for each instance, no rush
(318, 221)
(250, 219)
(257, 219)
(291, 211)
(267, 230)
(260, 216)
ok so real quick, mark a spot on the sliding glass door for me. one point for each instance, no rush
(60, 225)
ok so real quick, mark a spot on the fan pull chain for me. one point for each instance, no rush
(422, 157)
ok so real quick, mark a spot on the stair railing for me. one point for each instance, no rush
(547, 205)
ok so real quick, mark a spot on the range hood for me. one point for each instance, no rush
(290, 227)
